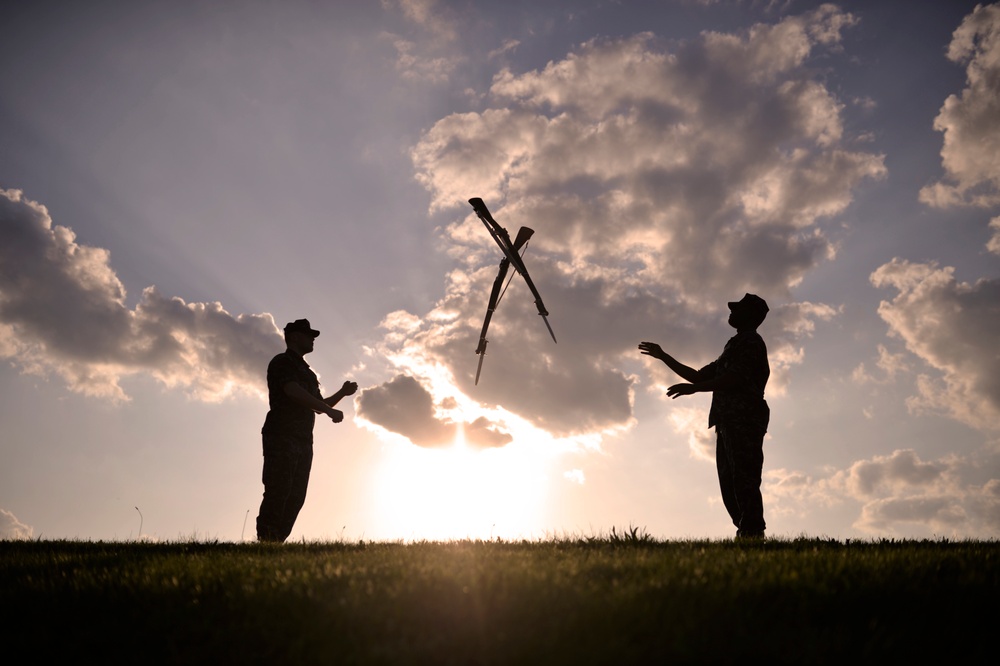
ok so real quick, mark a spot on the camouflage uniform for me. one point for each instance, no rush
(740, 416)
(288, 447)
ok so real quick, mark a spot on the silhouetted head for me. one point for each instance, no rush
(300, 336)
(747, 313)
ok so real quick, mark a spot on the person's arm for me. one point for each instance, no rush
(349, 388)
(721, 383)
(746, 353)
(300, 395)
(685, 372)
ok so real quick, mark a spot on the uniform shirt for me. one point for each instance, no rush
(745, 356)
(286, 416)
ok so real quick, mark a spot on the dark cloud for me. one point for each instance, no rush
(63, 311)
(403, 406)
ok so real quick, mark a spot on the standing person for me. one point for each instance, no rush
(739, 413)
(295, 399)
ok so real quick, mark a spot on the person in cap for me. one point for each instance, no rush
(295, 399)
(739, 412)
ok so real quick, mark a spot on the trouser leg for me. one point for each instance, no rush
(743, 453)
(285, 478)
(724, 466)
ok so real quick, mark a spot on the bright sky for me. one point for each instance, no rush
(178, 180)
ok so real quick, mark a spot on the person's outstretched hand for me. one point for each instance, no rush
(651, 349)
(680, 389)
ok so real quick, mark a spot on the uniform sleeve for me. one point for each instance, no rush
(280, 372)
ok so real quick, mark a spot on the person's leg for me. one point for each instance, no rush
(299, 482)
(724, 466)
(286, 471)
(747, 449)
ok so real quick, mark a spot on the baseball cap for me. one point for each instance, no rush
(750, 303)
(302, 326)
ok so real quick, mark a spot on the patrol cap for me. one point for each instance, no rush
(750, 303)
(301, 326)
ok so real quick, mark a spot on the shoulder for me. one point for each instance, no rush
(279, 359)
(749, 338)
(747, 342)
(282, 362)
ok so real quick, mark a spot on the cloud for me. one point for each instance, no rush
(428, 14)
(63, 311)
(891, 473)
(941, 513)
(783, 330)
(693, 422)
(406, 408)
(994, 243)
(427, 59)
(955, 328)
(971, 122)
(662, 183)
(899, 491)
(890, 364)
(11, 528)
(901, 488)
(507, 46)
(414, 63)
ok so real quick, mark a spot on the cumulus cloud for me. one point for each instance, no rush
(898, 491)
(403, 406)
(63, 312)
(952, 326)
(662, 183)
(971, 121)
(891, 474)
(11, 528)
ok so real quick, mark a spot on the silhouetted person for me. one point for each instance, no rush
(295, 399)
(739, 413)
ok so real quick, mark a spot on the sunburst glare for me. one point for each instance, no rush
(457, 492)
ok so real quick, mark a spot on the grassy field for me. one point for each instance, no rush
(626, 599)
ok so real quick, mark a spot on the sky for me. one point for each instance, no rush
(179, 180)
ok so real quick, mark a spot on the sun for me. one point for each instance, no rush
(457, 492)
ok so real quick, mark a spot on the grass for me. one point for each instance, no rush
(621, 599)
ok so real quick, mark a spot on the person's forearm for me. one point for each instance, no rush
(687, 373)
(715, 384)
(304, 398)
(335, 398)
